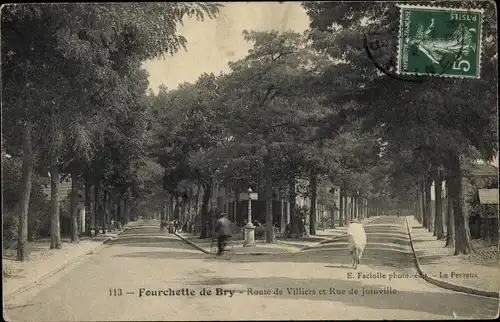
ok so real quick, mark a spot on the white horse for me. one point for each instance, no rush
(356, 242)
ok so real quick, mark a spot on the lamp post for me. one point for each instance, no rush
(249, 227)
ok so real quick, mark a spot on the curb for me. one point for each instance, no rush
(57, 270)
(107, 240)
(187, 241)
(444, 284)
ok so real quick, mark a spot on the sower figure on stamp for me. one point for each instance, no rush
(222, 232)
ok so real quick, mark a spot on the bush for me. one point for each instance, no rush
(38, 219)
(10, 226)
(39, 209)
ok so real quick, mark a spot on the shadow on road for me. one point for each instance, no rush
(148, 243)
(339, 266)
(388, 245)
(378, 257)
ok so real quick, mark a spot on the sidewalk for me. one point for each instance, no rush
(44, 262)
(479, 276)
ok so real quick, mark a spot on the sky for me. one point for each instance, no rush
(212, 43)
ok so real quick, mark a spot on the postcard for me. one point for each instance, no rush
(237, 161)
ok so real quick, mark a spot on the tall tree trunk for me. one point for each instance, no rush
(126, 207)
(190, 204)
(313, 184)
(332, 213)
(207, 196)
(105, 198)
(346, 204)
(97, 208)
(112, 214)
(462, 233)
(450, 222)
(417, 205)
(184, 206)
(332, 217)
(282, 214)
(292, 196)
(176, 209)
(119, 210)
(27, 172)
(88, 208)
(197, 215)
(424, 210)
(170, 208)
(269, 197)
(341, 206)
(125, 211)
(359, 203)
(354, 203)
(269, 220)
(235, 204)
(213, 200)
(428, 210)
(74, 206)
(361, 208)
(354, 207)
(439, 206)
(102, 210)
(55, 227)
(348, 208)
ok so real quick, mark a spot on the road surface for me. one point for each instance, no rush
(123, 279)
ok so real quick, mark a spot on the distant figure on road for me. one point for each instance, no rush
(223, 232)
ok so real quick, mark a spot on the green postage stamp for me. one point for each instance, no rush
(440, 41)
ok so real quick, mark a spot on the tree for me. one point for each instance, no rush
(270, 111)
(86, 51)
(373, 90)
(26, 191)
(190, 136)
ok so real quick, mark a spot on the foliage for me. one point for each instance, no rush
(434, 122)
(39, 205)
(73, 71)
